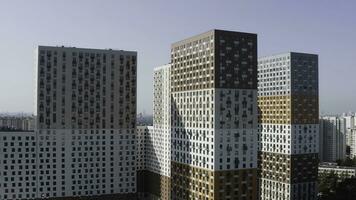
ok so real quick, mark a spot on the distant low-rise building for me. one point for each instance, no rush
(341, 171)
(22, 123)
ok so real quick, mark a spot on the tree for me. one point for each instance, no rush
(327, 184)
(334, 187)
(346, 190)
(347, 162)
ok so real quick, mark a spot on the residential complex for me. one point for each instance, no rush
(332, 145)
(288, 126)
(225, 126)
(86, 108)
(214, 116)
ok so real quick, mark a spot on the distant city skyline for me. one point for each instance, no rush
(326, 29)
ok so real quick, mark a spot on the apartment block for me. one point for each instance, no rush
(332, 145)
(18, 165)
(288, 126)
(86, 109)
(214, 116)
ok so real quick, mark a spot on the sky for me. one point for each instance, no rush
(327, 28)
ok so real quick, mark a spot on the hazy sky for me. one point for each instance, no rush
(327, 28)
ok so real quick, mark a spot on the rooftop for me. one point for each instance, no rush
(84, 49)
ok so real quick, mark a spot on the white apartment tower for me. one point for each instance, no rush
(352, 142)
(86, 110)
(350, 120)
(155, 177)
(162, 120)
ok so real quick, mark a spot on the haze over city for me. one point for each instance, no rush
(150, 27)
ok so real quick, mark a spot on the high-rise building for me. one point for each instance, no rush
(155, 177)
(352, 142)
(86, 109)
(214, 116)
(162, 119)
(332, 145)
(350, 121)
(162, 131)
(288, 126)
